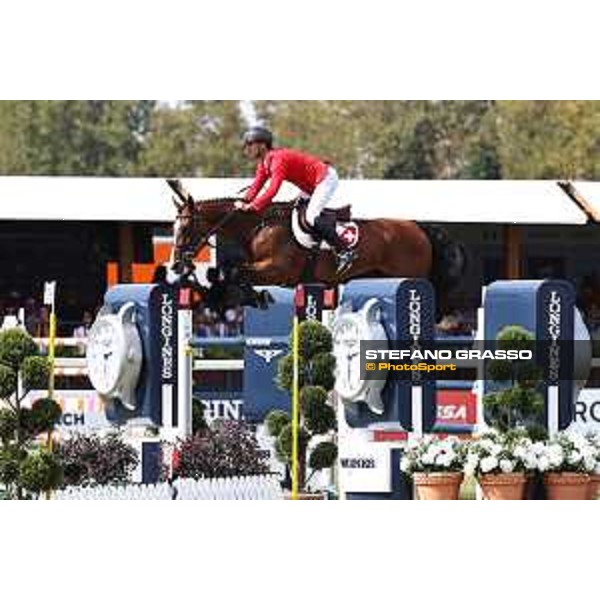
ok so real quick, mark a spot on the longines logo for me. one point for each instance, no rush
(167, 321)
(554, 325)
(268, 354)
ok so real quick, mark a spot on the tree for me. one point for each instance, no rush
(198, 139)
(317, 416)
(72, 137)
(442, 140)
(25, 465)
(548, 139)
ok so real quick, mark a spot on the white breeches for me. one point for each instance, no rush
(322, 195)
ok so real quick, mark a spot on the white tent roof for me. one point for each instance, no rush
(149, 199)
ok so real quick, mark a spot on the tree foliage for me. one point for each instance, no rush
(24, 465)
(474, 139)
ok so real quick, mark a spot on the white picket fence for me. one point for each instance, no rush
(258, 487)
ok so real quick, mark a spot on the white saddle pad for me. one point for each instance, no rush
(348, 231)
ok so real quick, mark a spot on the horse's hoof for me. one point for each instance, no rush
(268, 297)
(264, 298)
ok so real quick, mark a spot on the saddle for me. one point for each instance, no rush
(336, 215)
(339, 218)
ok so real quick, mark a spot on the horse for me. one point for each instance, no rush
(386, 247)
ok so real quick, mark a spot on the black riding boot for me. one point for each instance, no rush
(325, 227)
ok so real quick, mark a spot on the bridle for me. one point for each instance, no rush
(188, 248)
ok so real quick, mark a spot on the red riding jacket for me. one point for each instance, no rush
(303, 170)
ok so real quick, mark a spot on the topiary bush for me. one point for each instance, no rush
(40, 471)
(516, 403)
(319, 416)
(275, 421)
(24, 467)
(316, 378)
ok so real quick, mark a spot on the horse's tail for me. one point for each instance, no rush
(449, 263)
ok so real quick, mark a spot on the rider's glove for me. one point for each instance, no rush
(243, 206)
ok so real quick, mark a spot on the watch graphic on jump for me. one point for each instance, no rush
(114, 355)
(349, 328)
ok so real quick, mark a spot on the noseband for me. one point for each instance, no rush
(195, 242)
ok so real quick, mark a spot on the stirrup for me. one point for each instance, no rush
(345, 260)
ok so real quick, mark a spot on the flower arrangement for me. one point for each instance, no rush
(501, 453)
(569, 452)
(430, 454)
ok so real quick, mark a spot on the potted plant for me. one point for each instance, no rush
(436, 466)
(594, 485)
(501, 463)
(567, 460)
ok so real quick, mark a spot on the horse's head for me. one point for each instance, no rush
(186, 230)
(194, 224)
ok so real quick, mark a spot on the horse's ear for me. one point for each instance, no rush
(178, 205)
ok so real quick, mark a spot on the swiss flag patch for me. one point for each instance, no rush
(349, 233)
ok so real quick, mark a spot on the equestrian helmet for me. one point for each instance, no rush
(258, 134)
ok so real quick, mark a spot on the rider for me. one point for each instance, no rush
(312, 175)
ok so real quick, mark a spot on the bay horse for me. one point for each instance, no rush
(386, 247)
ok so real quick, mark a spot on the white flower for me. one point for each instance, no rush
(489, 463)
(405, 464)
(445, 459)
(543, 464)
(574, 457)
(577, 440)
(555, 455)
(520, 451)
(507, 466)
(428, 458)
(589, 463)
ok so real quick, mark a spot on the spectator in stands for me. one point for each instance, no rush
(83, 329)
(43, 329)
(32, 316)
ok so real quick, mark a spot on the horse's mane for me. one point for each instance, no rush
(218, 204)
(213, 203)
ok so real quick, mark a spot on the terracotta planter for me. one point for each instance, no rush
(503, 486)
(594, 487)
(307, 496)
(437, 486)
(567, 486)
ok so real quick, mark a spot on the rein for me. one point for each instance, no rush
(204, 241)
